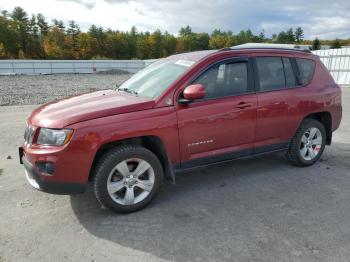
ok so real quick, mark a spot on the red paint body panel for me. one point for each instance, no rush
(98, 104)
(216, 126)
(188, 132)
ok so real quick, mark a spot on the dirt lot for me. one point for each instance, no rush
(39, 89)
(260, 209)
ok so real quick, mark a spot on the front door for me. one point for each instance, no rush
(222, 125)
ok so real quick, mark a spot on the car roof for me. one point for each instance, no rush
(192, 56)
(198, 55)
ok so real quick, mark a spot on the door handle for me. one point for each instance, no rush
(242, 105)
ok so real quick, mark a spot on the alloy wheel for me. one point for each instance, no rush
(130, 181)
(311, 143)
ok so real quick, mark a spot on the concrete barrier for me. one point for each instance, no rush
(35, 67)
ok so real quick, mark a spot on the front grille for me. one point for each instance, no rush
(28, 134)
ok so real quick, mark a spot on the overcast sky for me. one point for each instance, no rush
(324, 19)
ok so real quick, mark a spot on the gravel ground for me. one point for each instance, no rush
(33, 90)
(257, 210)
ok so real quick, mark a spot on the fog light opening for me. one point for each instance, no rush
(45, 167)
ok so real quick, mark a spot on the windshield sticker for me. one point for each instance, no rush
(186, 63)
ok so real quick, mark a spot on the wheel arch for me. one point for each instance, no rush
(325, 118)
(152, 143)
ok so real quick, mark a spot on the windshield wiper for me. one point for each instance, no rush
(127, 90)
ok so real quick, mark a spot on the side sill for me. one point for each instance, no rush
(244, 154)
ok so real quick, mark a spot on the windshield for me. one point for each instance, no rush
(153, 80)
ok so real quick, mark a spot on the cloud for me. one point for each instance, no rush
(86, 3)
(321, 18)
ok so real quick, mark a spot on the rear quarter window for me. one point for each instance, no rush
(306, 70)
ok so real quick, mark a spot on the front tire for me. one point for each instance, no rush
(308, 143)
(127, 178)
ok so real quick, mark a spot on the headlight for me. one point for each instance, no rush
(54, 137)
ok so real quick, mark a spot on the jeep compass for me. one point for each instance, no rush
(183, 111)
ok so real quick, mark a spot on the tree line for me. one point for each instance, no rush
(23, 36)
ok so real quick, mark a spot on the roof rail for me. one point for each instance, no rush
(225, 49)
(265, 47)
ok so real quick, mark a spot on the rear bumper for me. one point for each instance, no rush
(33, 177)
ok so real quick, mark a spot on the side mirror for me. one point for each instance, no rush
(192, 92)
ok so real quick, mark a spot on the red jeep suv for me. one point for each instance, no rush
(184, 111)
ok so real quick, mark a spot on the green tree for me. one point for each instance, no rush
(132, 39)
(290, 36)
(72, 32)
(42, 24)
(23, 36)
(59, 24)
(2, 51)
(20, 25)
(336, 44)
(316, 44)
(282, 38)
(8, 37)
(201, 41)
(34, 43)
(186, 39)
(98, 44)
(117, 46)
(169, 44)
(220, 39)
(261, 38)
(143, 46)
(244, 37)
(54, 43)
(299, 35)
(185, 31)
(85, 42)
(156, 44)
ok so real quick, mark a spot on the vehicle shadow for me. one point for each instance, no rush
(216, 213)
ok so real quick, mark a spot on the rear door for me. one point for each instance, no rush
(222, 125)
(276, 114)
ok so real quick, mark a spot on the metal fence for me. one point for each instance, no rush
(337, 62)
(34, 67)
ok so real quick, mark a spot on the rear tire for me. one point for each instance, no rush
(308, 143)
(127, 178)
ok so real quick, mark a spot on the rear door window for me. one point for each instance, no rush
(306, 70)
(271, 73)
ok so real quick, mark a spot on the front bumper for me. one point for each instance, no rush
(33, 177)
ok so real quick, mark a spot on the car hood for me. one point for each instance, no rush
(61, 113)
